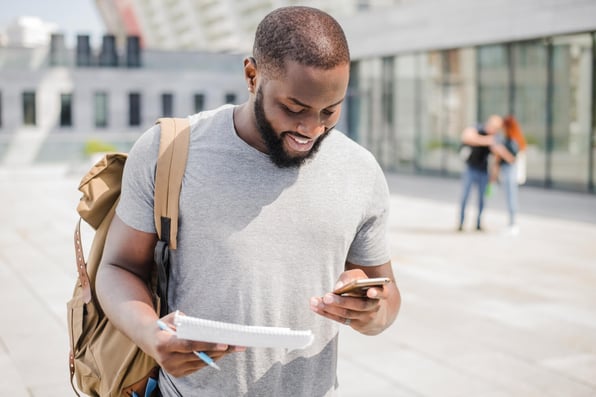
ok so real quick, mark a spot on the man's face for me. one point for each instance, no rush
(296, 111)
(494, 124)
(274, 141)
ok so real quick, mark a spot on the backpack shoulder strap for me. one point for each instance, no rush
(171, 164)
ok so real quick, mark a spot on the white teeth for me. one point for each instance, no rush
(301, 141)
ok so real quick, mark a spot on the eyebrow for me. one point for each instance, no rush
(297, 102)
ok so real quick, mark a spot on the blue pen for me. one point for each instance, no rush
(203, 356)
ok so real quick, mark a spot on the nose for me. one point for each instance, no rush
(311, 127)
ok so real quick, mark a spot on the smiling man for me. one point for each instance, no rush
(277, 209)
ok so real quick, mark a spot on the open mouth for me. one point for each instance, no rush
(299, 143)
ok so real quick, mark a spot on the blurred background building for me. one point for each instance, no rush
(27, 31)
(62, 104)
(422, 71)
(215, 25)
(426, 69)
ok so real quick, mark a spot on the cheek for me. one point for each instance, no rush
(333, 119)
(281, 122)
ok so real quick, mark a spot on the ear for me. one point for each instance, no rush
(250, 74)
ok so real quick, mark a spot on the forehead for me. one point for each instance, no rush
(495, 121)
(310, 85)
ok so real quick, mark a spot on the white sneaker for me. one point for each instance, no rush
(513, 230)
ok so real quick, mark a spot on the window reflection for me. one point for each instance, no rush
(29, 108)
(100, 101)
(571, 112)
(134, 109)
(411, 108)
(65, 110)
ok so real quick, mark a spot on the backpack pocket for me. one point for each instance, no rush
(81, 319)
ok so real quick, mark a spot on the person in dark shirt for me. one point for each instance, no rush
(481, 141)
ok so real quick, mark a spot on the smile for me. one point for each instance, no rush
(299, 143)
(303, 141)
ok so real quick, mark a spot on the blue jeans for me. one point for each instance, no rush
(473, 176)
(509, 183)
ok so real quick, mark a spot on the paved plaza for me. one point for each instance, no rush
(484, 314)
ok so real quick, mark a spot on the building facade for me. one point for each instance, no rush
(59, 104)
(26, 32)
(212, 25)
(424, 71)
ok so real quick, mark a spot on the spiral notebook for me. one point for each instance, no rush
(199, 329)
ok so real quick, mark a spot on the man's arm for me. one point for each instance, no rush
(495, 169)
(122, 289)
(471, 137)
(501, 152)
(369, 316)
(122, 280)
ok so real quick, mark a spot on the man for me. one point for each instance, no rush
(276, 210)
(481, 141)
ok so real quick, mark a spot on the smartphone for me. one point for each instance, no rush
(359, 287)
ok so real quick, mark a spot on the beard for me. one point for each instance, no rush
(275, 144)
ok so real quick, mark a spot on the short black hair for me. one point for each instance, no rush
(305, 35)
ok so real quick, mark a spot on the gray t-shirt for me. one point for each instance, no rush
(256, 241)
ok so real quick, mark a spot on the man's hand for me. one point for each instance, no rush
(502, 153)
(177, 357)
(369, 315)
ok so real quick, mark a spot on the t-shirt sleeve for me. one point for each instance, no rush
(135, 207)
(370, 246)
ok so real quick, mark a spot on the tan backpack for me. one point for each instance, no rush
(102, 359)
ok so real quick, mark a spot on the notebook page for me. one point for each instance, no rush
(198, 329)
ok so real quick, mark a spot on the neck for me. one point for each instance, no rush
(246, 127)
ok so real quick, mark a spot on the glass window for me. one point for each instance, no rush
(230, 98)
(571, 110)
(353, 102)
(387, 90)
(493, 80)
(101, 109)
(407, 104)
(409, 110)
(376, 94)
(83, 52)
(529, 63)
(592, 182)
(369, 83)
(459, 103)
(388, 149)
(65, 110)
(167, 105)
(134, 109)
(29, 108)
(199, 102)
(432, 114)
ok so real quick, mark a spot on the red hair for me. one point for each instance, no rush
(514, 131)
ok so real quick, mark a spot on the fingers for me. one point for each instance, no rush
(182, 363)
(359, 311)
(348, 310)
(348, 276)
(177, 356)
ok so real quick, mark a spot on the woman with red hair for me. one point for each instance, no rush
(508, 172)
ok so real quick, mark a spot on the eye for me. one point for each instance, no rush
(328, 112)
(290, 111)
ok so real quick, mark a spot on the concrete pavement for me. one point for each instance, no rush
(483, 314)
